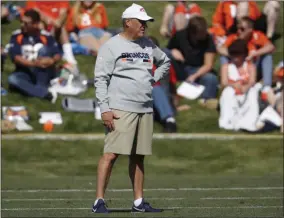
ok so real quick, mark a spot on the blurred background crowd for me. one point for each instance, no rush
(245, 83)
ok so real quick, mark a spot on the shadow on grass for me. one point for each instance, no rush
(128, 210)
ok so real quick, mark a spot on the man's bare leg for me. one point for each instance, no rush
(180, 21)
(103, 173)
(90, 42)
(136, 174)
(66, 46)
(271, 10)
(168, 13)
(104, 38)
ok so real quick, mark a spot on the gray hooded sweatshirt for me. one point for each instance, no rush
(123, 74)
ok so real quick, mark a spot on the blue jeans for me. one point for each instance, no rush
(36, 82)
(92, 31)
(264, 65)
(162, 102)
(208, 80)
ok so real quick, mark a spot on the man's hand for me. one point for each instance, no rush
(44, 62)
(177, 55)
(244, 89)
(108, 118)
(191, 78)
(164, 31)
(251, 55)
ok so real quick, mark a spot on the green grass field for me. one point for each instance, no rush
(197, 119)
(188, 178)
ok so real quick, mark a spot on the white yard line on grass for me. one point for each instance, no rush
(149, 189)
(84, 199)
(174, 136)
(167, 208)
(240, 198)
(149, 198)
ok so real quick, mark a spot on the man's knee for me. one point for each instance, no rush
(227, 93)
(170, 8)
(13, 80)
(210, 78)
(224, 60)
(273, 4)
(109, 157)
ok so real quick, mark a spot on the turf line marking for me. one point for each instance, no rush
(119, 199)
(173, 136)
(83, 199)
(150, 189)
(240, 198)
(167, 208)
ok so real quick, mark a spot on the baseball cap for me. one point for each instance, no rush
(136, 11)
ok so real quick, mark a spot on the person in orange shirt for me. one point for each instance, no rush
(228, 12)
(259, 46)
(176, 17)
(53, 16)
(89, 18)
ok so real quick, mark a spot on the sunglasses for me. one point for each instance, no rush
(242, 29)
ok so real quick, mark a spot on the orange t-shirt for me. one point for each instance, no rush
(258, 40)
(87, 20)
(225, 14)
(48, 8)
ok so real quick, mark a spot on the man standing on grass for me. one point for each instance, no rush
(123, 81)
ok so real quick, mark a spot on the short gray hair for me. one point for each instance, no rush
(124, 21)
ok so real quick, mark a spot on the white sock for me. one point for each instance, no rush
(96, 201)
(68, 53)
(170, 120)
(138, 201)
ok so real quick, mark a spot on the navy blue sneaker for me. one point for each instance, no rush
(145, 207)
(100, 207)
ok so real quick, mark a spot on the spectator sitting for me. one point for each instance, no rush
(34, 53)
(175, 18)
(279, 71)
(192, 52)
(239, 99)
(275, 98)
(4, 13)
(90, 18)
(259, 46)
(162, 102)
(228, 13)
(53, 15)
(9, 12)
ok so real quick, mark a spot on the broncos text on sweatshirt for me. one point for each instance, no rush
(123, 74)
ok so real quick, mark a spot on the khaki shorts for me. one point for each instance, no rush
(132, 135)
